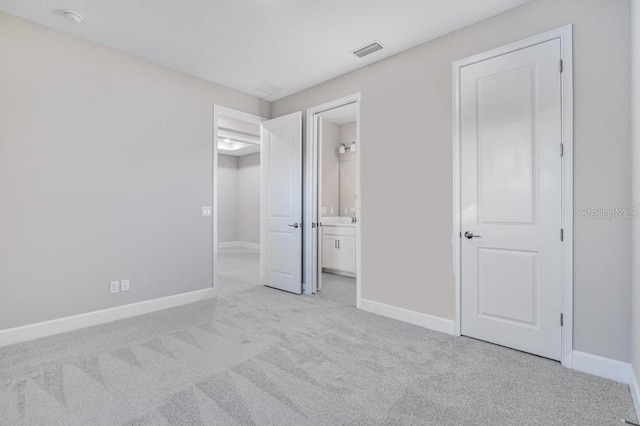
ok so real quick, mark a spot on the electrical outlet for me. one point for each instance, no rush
(206, 210)
(124, 285)
(114, 287)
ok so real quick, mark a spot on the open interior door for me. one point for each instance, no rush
(281, 203)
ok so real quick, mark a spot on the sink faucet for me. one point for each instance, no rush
(353, 216)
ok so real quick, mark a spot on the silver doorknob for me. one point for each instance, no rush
(295, 225)
(469, 235)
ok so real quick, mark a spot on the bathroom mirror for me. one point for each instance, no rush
(338, 167)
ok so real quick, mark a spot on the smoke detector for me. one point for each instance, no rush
(72, 16)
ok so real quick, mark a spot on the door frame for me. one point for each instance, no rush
(219, 110)
(311, 195)
(563, 33)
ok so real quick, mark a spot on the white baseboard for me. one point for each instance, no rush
(243, 244)
(603, 367)
(24, 333)
(412, 317)
(634, 387)
(341, 273)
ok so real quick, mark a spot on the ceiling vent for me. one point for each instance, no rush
(368, 49)
(267, 87)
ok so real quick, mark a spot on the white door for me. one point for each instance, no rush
(511, 199)
(281, 207)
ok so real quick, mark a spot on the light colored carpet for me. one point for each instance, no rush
(238, 269)
(261, 356)
(339, 289)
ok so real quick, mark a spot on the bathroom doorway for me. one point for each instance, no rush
(333, 267)
(236, 200)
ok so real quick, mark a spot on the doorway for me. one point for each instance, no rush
(513, 196)
(236, 203)
(332, 249)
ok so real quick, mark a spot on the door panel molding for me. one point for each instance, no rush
(564, 34)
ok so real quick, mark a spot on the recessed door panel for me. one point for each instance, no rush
(506, 146)
(280, 261)
(507, 285)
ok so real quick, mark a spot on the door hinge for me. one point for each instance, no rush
(561, 234)
(314, 224)
(460, 234)
(561, 150)
(561, 66)
(561, 320)
(304, 288)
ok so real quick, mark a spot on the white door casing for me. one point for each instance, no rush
(318, 240)
(281, 207)
(511, 196)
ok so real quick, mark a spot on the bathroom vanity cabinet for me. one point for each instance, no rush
(339, 249)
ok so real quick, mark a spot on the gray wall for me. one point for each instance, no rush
(227, 198)
(239, 198)
(635, 56)
(249, 198)
(408, 98)
(105, 162)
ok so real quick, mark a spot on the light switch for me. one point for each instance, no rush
(114, 287)
(324, 210)
(206, 210)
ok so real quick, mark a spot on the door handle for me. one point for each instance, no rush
(469, 235)
(295, 225)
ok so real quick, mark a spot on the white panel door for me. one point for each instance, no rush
(511, 199)
(281, 208)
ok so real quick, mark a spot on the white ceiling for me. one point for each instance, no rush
(293, 44)
(342, 115)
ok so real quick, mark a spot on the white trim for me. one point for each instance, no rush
(602, 367)
(431, 322)
(634, 388)
(24, 333)
(219, 110)
(243, 244)
(565, 35)
(337, 272)
(311, 207)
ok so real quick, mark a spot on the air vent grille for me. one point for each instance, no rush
(267, 87)
(368, 49)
